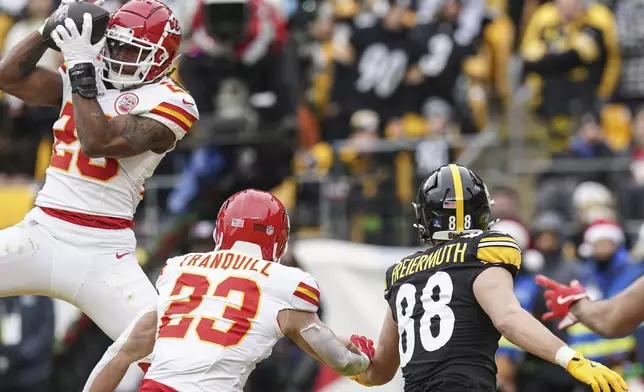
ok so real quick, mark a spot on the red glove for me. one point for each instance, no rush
(365, 345)
(559, 299)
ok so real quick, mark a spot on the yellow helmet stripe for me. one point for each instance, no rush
(458, 191)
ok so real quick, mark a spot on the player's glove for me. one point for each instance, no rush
(559, 299)
(598, 376)
(365, 345)
(76, 47)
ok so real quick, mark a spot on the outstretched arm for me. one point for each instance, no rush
(385, 363)
(20, 77)
(617, 316)
(315, 338)
(517, 325)
(493, 289)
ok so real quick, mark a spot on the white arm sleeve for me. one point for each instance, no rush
(332, 352)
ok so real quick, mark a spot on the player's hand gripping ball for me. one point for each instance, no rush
(366, 347)
(76, 11)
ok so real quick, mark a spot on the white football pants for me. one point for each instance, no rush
(94, 269)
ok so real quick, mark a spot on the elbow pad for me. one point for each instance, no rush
(334, 353)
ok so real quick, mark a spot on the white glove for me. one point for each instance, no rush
(77, 47)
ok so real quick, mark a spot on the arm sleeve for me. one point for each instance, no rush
(499, 250)
(176, 109)
(306, 296)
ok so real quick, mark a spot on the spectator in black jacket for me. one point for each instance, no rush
(26, 342)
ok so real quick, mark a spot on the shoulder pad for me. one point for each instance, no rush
(170, 105)
(499, 248)
(306, 296)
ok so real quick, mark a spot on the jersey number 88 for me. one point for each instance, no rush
(405, 303)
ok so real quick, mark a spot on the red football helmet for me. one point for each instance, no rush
(255, 217)
(143, 38)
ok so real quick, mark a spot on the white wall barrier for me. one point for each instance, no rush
(351, 278)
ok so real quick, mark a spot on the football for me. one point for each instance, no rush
(75, 11)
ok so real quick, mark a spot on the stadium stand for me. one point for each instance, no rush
(543, 98)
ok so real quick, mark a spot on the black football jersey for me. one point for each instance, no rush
(439, 56)
(375, 80)
(447, 342)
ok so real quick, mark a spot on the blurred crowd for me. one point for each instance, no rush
(341, 107)
(591, 247)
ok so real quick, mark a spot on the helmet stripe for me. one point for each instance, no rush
(458, 192)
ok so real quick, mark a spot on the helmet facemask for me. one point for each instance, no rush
(129, 60)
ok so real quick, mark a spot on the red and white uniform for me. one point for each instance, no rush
(107, 186)
(218, 318)
(77, 244)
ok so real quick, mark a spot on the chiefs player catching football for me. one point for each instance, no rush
(120, 114)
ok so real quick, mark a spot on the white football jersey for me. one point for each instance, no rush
(218, 317)
(108, 186)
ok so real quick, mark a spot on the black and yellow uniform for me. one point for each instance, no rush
(447, 342)
(374, 78)
(571, 67)
(439, 56)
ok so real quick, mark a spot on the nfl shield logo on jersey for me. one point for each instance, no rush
(269, 230)
(126, 103)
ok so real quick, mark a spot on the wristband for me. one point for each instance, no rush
(83, 80)
(564, 355)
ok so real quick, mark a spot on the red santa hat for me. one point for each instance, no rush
(603, 229)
